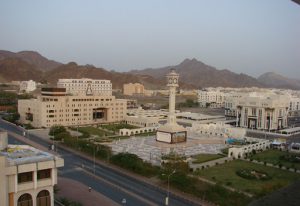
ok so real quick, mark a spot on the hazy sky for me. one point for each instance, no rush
(249, 36)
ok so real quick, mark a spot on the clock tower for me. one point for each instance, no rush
(171, 132)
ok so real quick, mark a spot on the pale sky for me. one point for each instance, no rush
(249, 36)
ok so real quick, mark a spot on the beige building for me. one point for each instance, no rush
(211, 98)
(263, 111)
(133, 89)
(55, 107)
(86, 86)
(27, 175)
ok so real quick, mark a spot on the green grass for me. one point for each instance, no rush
(225, 174)
(277, 157)
(94, 131)
(117, 127)
(200, 158)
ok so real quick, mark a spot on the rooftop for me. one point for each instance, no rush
(24, 154)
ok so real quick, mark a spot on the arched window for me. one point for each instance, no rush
(25, 200)
(43, 198)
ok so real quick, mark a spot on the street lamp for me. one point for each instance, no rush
(168, 192)
(94, 158)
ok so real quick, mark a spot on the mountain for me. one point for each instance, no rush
(72, 70)
(194, 72)
(18, 69)
(274, 80)
(31, 57)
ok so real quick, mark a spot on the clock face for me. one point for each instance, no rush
(170, 80)
(175, 80)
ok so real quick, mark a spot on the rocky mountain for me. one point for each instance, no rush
(72, 70)
(274, 80)
(200, 75)
(31, 57)
(18, 69)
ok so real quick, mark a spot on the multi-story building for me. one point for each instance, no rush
(266, 111)
(133, 89)
(231, 100)
(92, 87)
(27, 86)
(55, 107)
(213, 99)
(27, 175)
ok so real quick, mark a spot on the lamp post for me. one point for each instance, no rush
(168, 192)
(94, 166)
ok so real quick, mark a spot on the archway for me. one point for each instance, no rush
(25, 200)
(43, 198)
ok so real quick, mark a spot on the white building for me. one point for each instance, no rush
(211, 98)
(27, 86)
(85, 86)
(55, 107)
(294, 104)
(263, 111)
(27, 175)
(231, 100)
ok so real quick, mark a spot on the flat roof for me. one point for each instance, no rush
(24, 154)
(294, 129)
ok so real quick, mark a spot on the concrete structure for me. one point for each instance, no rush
(140, 121)
(27, 175)
(262, 111)
(212, 99)
(230, 104)
(54, 107)
(161, 114)
(133, 89)
(27, 86)
(243, 151)
(129, 132)
(171, 132)
(93, 87)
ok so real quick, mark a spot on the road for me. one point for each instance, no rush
(107, 181)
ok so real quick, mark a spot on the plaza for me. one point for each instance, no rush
(150, 150)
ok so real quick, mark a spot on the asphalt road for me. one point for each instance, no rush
(109, 182)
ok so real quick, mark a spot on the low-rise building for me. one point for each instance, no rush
(133, 89)
(27, 175)
(84, 86)
(27, 86)
(263, 111)
(140, 121)
(211, 98)
(55, 107)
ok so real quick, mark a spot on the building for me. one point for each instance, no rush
(27, 175)
(294, 106)
(262, 111)
(92, 87)
(211, 98)
(140, 121)
(27, 86)
(231, 100)
(55, 107)
(133, 89)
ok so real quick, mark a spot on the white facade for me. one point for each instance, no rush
(86, 86)
(27, 175)
(27, 86)
(214, 99)
(264, 111)
(231, 101)
(294, 104)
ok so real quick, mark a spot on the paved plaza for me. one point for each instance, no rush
(150, 150)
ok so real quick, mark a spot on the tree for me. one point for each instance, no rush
(57, 129)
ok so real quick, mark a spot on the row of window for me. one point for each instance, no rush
(28, 176)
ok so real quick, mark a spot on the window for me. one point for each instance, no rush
(25, 200)
(25, 177)
(43, 174)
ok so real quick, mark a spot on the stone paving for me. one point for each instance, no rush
(150, 150)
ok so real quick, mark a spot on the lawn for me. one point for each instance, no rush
(94, 131)
(225, 174)
(117, 127)
(278, 157)
(200, 158)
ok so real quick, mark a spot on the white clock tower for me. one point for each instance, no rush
(171, 132)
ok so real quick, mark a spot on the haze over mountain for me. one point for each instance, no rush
(272, 79)
(199, 74)
(31, 57)
(193, 73)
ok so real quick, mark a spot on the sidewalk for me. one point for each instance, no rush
(80, 193)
